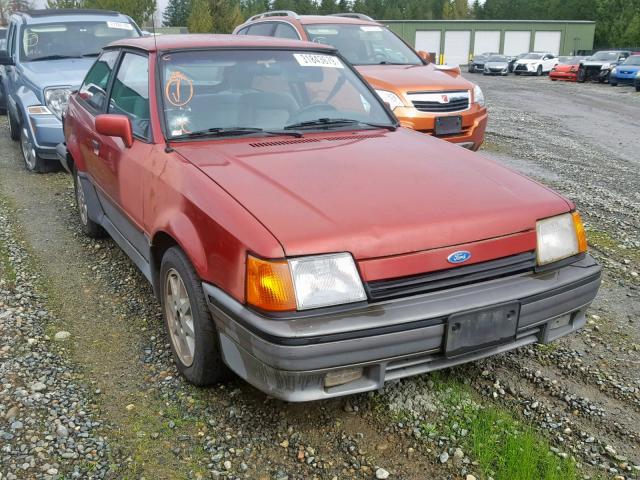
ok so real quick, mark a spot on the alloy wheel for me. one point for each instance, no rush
(179, 317)
(28, 152)
(81, 201)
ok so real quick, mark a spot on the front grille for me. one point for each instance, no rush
(521, 68)
(453, 277)
(439, 102)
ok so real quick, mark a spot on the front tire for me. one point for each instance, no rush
(3, 100)
(539, 71)
(90, 228)
(14, 127)
(613, 84)
(193, 337)
(32, 161)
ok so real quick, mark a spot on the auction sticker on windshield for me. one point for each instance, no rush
(311, 60)
(370, 28)
(120, 25)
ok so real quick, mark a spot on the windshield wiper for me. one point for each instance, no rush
(85, 55)
(233, 131)
(53, 57)
(337, 122)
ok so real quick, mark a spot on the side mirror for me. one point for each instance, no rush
(115, 126)
(5, 58)
(424, 56)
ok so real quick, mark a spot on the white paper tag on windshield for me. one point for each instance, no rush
(120, 25)
(314, 60)
(370, 28)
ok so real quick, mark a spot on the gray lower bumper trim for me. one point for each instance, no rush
(288, 358)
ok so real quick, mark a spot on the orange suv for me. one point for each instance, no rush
(425, 97)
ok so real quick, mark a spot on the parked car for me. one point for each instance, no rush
(3, 38)
(296, 235)
(478, 61)
(599, 65)
(513, 60)
(535, 63)
(496, 65)
(432, 99)
(48, 54)
(626, 72)
(566, 69)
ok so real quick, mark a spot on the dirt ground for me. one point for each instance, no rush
(582, 393)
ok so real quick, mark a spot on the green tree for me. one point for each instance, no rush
(200, 19)
(226, 15)
(177, 13)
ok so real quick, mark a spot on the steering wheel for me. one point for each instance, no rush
(305, 112)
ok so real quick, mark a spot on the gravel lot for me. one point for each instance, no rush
(105, 401)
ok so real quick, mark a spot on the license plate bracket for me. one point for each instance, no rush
(448, 125)
(481, 328)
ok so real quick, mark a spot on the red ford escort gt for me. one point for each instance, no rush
(296, 235)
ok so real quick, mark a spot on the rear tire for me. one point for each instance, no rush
(193, 336)
(471, 69)
(90, 228)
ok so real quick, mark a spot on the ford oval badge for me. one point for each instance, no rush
(459, 257)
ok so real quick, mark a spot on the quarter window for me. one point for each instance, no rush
(94, 87)
(264, 29)
(284, 30)
(130, 93)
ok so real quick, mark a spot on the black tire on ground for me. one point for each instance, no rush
(517, 73)
(637, 88)
(582, 76)
(32, 161)
(471, 68)
(3, 101)
(14, 127)
(207, 366)
(539, 71)
(613, 84)
(90, 228)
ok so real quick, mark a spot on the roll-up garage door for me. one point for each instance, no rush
(429, 41)
(486, 42)
(456, 47)
(516, 43)
(547, 42)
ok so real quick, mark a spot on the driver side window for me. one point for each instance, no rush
(130, 93)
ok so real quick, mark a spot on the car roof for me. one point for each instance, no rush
(196, 41)
(70, 15)
(313, 19)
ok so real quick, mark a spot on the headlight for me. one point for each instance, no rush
(605, 66)
(614, 71)
(560, 237)
(57, 99)
(303, 283)
(390, 98)
(478, 96)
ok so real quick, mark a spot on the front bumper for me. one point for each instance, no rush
(623, 78)
(566, 76)
(288, 358)
(46, 133)
(474, 124)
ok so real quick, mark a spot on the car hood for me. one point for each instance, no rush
(628, 68)
(372, 193)
(413, 78)
(47, 73)
(565, 67)
(526, 61)
(497, 64)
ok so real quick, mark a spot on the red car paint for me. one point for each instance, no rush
(565, 72)
(395, 200)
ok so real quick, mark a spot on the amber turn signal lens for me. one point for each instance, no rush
(580, 233)
(269, 285)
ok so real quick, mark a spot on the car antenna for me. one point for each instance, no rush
(167, 148)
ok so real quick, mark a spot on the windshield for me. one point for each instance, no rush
(568, 60)
(632, 60)
(497, 58)
(266, 90)
(533, 56)
(364, 44)
(608, 56)
(71, 40)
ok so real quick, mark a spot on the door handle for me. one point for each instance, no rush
(95, 145)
